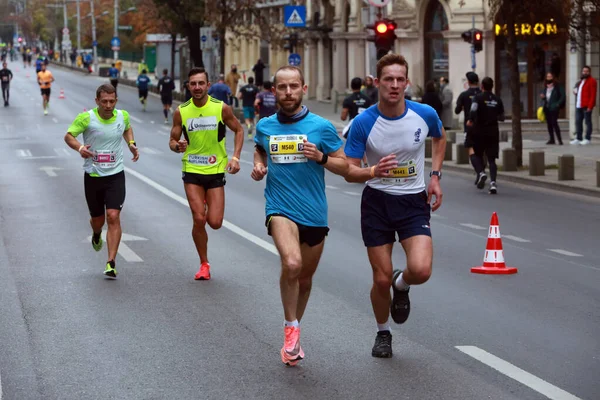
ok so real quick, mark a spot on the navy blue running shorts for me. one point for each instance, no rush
(383, 216)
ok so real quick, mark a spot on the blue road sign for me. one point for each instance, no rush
(95, 43)
(294, 16)
(203, 38)
(115, 42)
(294, 59)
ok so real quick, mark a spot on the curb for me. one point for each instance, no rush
(526, 181)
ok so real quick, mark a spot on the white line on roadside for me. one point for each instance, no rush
(136, 119)
(150, 150)
(565, 252)
(55, 120)
(151, 122)
(24, 152)
(226, 224)
(516, 239)
(516, 373)
(473, 226)
(352, 193)
(167, 128)
(61, 151)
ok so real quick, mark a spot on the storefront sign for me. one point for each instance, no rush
(440, 65)
(537, 29)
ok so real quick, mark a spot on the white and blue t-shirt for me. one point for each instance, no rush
(295, 185)
(404, 136)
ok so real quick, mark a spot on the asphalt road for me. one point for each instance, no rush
(155, 333)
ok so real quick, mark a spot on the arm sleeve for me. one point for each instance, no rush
(500, 110)
(433, 122)
(260, 135)
(330, 140)
(594, 90)
(357, 139)
(126, 119)
(347, 103)
(474, 108)
(459, 104)
(79, 125)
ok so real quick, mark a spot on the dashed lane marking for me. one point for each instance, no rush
(565, 253)
(516, 373)
(473, 226)
(516, 239)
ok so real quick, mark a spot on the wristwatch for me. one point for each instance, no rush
(436, 173)
(323, 160)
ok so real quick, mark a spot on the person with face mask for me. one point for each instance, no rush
(585, 90)
(553, 99)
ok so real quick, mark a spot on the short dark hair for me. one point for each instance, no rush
(113, 64)
(165, 71)
(355, 83)
(445, 80)
(196, 71)
(391, 59)
(588, 67)
(487, 83)
(268, 85)
(430, 86)
(251, 80)
(288, 68)
(144, 71)
(106, 88)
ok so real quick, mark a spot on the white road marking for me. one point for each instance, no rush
(124, 251)
(55, 120)
(150, 150)
(331, 187)
(166, 128)
(516, 373)
(433, 215)
(472, 226)
(516, 239)
(24, 152)
(61, 151)
(151, 122)
(226, 224)
(352, 193)
(50, 170)
(139, 121)
(565, 252)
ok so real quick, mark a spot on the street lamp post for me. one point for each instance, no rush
(94, 43)
(116, 32)
(78, 28)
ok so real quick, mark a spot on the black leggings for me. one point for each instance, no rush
(5, 92)
(479, 167)
(552, 122)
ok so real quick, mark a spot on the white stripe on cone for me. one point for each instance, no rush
(494, 232)
(494, 256)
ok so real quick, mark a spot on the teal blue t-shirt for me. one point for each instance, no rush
(295, 185)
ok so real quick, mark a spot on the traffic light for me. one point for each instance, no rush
(385, 36)
(477, 40)
(291, 41)
(467, 36)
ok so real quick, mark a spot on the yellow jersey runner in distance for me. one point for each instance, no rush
(202, 122)
(204, 131)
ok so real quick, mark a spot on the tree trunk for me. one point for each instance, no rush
(192, 32)
(222, 50)
(173, 53)
(513, 62)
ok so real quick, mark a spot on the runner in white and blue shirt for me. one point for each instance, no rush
(395, 201)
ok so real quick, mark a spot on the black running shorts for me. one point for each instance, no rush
(311, 235)
(206, 181)
(488, 144)
(384, 215)
(104, 192)
(143, 93)
(46, 92)
(166, 99)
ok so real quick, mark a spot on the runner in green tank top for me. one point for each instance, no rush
(104, 128)
(202, 121)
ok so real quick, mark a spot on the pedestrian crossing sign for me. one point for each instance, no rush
(294, 16)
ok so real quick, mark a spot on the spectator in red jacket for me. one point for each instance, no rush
(585, 90)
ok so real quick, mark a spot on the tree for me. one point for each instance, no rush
(509, 12)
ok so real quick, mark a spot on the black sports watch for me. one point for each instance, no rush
(323, 160)
(436, 173)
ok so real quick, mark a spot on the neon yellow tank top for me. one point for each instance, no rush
(204, 131)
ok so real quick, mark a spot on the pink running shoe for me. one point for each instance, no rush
(203, 273)
(291, 352)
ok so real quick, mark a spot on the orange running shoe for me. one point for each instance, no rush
(203, 273)
(291, 352)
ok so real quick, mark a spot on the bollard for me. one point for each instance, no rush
(566, 167)
(462, 154)
(537, 165)
(504, 136)
(428, 147)
(509, 159)
(598, 173)
(451, 136)
(448, 154)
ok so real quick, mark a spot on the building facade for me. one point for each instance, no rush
(334, 48)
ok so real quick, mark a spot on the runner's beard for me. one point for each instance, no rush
(290, 108)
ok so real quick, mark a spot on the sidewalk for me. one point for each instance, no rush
(586, 158)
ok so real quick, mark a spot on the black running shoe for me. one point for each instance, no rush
(400, 308)
(481, 180)
(383, 345)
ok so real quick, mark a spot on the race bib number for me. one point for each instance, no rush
(105, 158)
(406, 171)
(5, 79)
(201, 159)
(287, 149)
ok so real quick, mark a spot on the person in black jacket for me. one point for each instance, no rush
(432, 99)
(486, 110)
(553, 99)
(464, 103)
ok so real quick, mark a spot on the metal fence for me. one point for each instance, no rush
(134, 56)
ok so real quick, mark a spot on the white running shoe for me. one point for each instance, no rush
(584, 142)
(575, 141)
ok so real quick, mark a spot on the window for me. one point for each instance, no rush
(436, 46)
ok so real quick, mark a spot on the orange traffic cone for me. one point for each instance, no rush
(62, 94)
(493, 260)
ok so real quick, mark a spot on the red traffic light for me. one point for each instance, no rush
(477, 36)
(381, 27)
